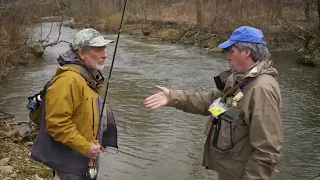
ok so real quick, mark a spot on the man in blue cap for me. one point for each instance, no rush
(244, 131)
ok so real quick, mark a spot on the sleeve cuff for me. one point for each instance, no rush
(173, 98)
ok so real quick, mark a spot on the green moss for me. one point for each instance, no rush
(310, 56)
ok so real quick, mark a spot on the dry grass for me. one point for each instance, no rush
(182, 13)
(221, 17)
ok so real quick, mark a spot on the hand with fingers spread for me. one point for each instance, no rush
(159, 99)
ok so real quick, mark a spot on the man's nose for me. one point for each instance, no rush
(228, 57)
(104, 55)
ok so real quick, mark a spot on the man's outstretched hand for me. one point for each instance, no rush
(159, 99)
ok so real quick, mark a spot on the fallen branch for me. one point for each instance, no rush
(55, 43)
(301, 37)
(298, 28)
(60, 27)
(18, 123)
(6, 119)
(302, 29)
(7, 114)
(189, 32)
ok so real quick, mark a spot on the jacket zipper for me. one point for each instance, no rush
(92, 118)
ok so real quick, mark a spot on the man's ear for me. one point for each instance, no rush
(247, 53)
(81, 53)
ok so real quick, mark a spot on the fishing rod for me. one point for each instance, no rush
(92, 171)
(114, 55)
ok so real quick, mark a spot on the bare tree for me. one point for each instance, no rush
(318, 4)
(199, 14)
(121, 4)
(307, 9)
(216, 10)
(280, 8)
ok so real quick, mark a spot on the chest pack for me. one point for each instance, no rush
(224, 125)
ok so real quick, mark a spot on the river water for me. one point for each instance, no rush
(166, 143)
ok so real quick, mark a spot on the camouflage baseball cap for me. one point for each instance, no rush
(89, 37)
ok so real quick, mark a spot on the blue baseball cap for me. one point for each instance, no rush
(244, 34)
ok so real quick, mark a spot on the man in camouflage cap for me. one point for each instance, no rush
(71, 130)
(89, 42)
(89, 37)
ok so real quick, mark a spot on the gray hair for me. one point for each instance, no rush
(84, 49)
(259, 52)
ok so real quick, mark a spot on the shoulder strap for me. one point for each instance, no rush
(239, 85)
(91, 82)
(94, 85)
(42, 92)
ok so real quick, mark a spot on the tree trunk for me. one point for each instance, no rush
(307, 9)
(280, 10)
(216, 9)
(120, 4)
(318, 3)
(90, 1)
(199, 14)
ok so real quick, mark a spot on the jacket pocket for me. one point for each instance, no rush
(88, 123)
(227, 131)
(93, 116)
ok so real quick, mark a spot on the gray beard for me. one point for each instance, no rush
(231, 68)
(94, 65)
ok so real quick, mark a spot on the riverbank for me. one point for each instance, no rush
(186, 33)
(15, 162)
(278, 38)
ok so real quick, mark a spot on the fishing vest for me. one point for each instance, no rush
(224, 114)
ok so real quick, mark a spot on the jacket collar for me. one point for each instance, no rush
(231, 79)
